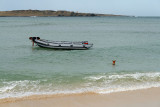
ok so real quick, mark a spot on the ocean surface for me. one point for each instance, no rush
(134, 42)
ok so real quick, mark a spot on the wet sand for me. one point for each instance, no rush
(138, 98)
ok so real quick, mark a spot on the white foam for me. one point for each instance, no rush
(98, 90)
(95, 77)
(108, 84)
(121, 76)
(11, 85)
(136, 75)
(4, 89)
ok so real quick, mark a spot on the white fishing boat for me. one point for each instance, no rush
(81, 45)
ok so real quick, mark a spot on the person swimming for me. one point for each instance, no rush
(114, 62)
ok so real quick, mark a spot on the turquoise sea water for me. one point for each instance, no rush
(25, 70)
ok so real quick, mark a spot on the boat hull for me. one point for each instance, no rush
(66, 45)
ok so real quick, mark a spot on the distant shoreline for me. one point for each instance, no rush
(48, 13)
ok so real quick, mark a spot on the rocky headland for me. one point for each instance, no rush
(47, 13)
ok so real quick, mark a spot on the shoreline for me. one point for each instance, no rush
(136, 98)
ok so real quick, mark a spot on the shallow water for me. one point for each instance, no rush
(26, 70)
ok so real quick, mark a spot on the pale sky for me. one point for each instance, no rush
(120, 7)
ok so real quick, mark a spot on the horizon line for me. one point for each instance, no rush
(83, 12)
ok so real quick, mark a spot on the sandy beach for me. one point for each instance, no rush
(137, 98)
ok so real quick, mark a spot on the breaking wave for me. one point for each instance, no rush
(99, 83)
